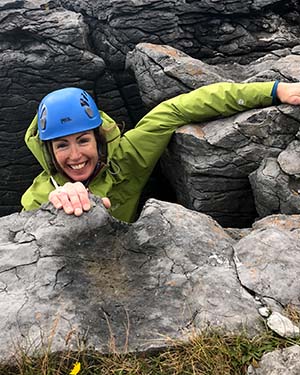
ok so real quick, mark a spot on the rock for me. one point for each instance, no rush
(279, 362)
(96, 282)
(275, 191)
(282, 325)
(133, 286)
(289, 159)
(267, 259)
(163, 72)
(216, 158)
(264, 312)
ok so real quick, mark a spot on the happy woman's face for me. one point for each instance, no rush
(76, 154)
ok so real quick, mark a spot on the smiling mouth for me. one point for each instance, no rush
(78, 166)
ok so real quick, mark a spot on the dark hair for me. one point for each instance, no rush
(101, 144)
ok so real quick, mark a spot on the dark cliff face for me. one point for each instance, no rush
(53, 44)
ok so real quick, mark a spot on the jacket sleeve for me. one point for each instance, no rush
(141, 147)
(37, 193)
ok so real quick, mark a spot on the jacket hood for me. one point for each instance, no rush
(39, 150)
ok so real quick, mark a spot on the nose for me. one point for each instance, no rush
(75, 153)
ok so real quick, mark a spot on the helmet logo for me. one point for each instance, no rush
(66, 119)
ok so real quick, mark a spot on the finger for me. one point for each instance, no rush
(72, 191)
(83, 195)
(66, 202)
(75, 202)
(54, 199)
(106, 202)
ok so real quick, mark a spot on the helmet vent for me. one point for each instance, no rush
(84, 101)
(43, 118)
(89, 111)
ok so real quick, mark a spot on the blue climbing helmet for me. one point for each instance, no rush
(67, 111)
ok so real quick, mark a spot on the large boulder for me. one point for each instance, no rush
(276, 185)
(216, 158)
(113, 283)
(92, 280)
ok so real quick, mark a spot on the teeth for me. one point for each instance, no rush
(78, 166)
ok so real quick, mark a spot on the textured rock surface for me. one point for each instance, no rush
(163, 72)
(276, 185)
(267, 259)
(280, 362)
(274, 191)
(110, 285)
(282, 325)
(216, 158)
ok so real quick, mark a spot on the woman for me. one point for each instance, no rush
(80, 148)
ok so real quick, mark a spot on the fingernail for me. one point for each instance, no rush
(78, 211)
(86, 206)
(68, 210)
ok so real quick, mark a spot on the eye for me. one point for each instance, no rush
(60, 145)
(85, 139)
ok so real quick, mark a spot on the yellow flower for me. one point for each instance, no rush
(76, 369)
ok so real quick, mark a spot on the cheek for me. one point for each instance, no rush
(94, 152)
(59, 157)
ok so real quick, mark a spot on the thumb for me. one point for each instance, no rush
(106, 202)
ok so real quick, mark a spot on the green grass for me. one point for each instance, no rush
(212, 353)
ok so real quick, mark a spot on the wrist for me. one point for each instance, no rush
(275, 97)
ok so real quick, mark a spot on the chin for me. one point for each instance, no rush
(76, 178)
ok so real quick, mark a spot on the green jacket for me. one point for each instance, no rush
(132, 157)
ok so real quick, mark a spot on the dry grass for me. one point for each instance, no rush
(293, 312)
(212, 353)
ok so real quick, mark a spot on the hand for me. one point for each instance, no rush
(73, 198)
(289, 93)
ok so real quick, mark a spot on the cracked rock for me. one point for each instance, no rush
(133, 286)
(267, 259)
(107, 285)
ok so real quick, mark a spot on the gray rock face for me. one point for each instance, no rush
(274, 191)
(276, 184)
(135, 286)
(282, 325)
(279, 362)
(267, 259)
(289, 159)
(216, 158)
(118, 284)
(163, 72)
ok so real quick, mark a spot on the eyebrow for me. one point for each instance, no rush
(65, 139)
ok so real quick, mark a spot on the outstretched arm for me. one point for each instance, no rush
(289, 93)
